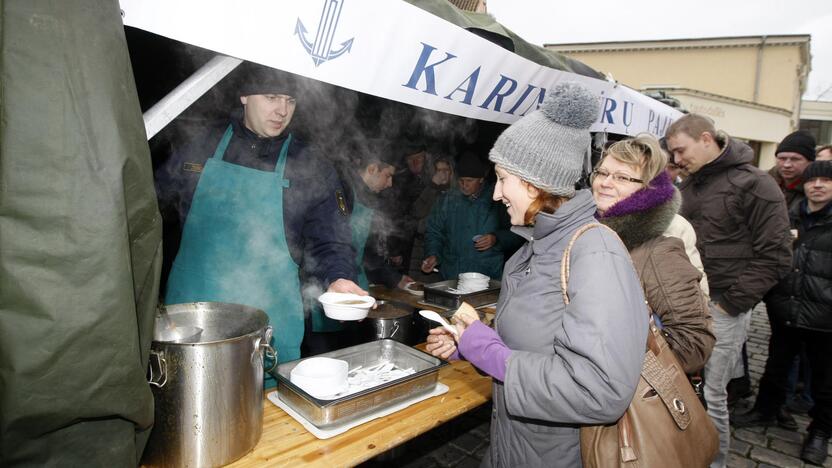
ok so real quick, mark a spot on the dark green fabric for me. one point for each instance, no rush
(80, 239)
(478, 22)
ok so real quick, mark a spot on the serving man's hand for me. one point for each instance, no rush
(342, 285)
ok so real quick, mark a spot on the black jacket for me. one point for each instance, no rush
(803, 299)
(742, 227)
(317, 229)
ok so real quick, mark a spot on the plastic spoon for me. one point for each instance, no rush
(431, 315)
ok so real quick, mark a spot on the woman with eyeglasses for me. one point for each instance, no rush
(636, 198)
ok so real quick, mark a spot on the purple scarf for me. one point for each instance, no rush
(658, 191)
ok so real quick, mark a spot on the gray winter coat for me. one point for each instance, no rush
(570, 365)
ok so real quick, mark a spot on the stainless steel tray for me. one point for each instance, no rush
(328, 413)
(438, 294)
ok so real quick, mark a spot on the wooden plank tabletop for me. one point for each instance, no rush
(286, 443)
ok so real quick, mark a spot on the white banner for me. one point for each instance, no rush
(390, 49)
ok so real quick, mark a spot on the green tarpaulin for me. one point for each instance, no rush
(80, 239)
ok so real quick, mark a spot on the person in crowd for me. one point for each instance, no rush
(555, 366)
(742, 231)
(823, 153)
(800, 311)
(441, 182)
(792, 156)
(255, 204)
(409, 184)
(367, 172)
(636, 198)
(466, 230)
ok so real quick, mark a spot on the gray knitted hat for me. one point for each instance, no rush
(547, 147)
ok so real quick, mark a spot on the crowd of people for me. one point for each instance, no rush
(694, 236)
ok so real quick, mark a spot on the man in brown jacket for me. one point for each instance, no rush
(742, 230)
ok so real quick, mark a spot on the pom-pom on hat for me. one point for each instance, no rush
(548, 146)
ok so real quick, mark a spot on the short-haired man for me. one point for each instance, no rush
(800, 310)
(367, 172)
(255, 204)
(824, 153)
(792, 156)
(742, 231)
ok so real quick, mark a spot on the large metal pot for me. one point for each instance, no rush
(392, 320)
(208, 386)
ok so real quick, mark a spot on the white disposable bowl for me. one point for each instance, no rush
(344, 306)
(320, 376)
(473, 276)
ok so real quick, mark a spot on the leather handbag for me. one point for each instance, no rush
(665, 424)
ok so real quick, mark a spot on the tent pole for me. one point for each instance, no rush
(169, 107)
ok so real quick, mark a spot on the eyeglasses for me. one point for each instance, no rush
(616, 176)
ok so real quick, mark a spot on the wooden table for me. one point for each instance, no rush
(286, 443)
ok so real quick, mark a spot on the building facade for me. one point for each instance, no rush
(750, 86)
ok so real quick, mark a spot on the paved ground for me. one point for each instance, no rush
(463, 441)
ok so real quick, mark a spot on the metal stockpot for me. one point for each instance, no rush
(208, 387)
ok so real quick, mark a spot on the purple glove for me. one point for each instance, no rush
(482, 347)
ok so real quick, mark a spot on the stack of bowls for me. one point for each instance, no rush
(472, 282)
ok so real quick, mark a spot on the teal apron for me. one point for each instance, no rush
(234, 247)
(360, 220)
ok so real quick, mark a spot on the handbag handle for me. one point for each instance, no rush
(564, 264)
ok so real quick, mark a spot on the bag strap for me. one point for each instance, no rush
(564, 264)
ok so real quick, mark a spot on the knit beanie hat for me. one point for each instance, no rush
(817, 169)
(548, 146)
(251, 78)
(470, 165)
(799, 142)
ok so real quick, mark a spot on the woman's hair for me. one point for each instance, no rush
(545, 202)
(643, 152)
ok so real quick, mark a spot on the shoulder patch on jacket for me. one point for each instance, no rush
(192, 167)
(342, 202)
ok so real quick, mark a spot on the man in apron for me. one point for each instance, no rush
(256, 204)
(364, 179)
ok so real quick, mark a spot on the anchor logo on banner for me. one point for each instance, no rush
(321, 48)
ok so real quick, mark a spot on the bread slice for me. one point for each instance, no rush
(465, 310)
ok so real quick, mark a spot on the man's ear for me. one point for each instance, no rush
(244, 99)
(372, 169)
(707, 138)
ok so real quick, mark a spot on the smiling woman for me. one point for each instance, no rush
(590, 351)
(641, 213)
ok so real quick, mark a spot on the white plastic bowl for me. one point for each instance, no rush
(472, 282)
(343, 306)
(320, 376)
(473, 276)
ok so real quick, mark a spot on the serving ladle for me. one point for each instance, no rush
(431, 315)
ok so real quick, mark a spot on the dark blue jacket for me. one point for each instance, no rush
(315, 223)
(453, 222)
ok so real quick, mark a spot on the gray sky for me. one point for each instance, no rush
(551, 21)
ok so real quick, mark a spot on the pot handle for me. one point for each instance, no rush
(271, 353)
(267, 349)
(160, 377)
